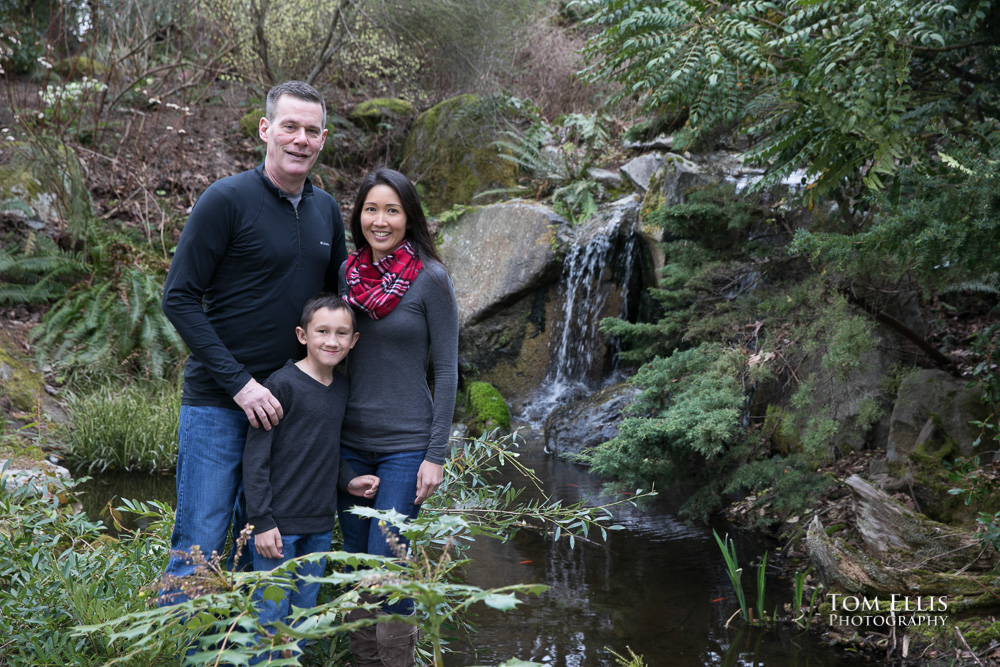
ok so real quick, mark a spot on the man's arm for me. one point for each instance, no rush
(202, 246)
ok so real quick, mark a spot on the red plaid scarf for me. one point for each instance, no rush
(376, 287)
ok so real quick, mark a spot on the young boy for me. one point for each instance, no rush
(291, 473)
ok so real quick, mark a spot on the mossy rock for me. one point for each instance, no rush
(371, 113)
(20, 382)
(250, 122)
(78, 67)
(487, 408)
(451, 152)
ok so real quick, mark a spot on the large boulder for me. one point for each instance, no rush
(934, 409)
(500, 253)
(588, 422)
(451, 153)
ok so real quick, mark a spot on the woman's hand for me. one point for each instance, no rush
(428, 480)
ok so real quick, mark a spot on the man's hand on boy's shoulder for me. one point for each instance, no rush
(260, 406)
(268, 543)
(365, 486)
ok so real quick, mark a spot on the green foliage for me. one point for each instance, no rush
(849, 91)
(942, 226)
(58, 569)
(555, 159)
(488, 409)
(690, 431)
(990, 535)
(72, 595)
(105, 310)
(124, 428)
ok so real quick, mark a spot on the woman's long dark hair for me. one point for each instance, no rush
(417, 231)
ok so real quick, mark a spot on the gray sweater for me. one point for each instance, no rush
(390, 408)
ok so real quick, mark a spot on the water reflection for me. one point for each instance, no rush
(658, 588)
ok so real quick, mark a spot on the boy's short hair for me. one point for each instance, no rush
(325, 300)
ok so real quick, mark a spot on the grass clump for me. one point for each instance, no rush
(130, 428)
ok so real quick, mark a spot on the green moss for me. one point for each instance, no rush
(20, 382)
(250, 122)
(487, 408)
(79, 66)
(372, 112)
(980, 633)
(452, 147)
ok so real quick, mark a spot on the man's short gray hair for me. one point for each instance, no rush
(298, 89)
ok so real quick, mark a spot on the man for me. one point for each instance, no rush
(256, 247)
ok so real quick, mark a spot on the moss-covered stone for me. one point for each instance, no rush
(371, 113)
(450, 150)
(21, 383)
(487, 408)
(78, 67)
(250, 122)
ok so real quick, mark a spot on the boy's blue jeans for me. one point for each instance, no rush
(304, 593)
(397, 473)
(209, 486)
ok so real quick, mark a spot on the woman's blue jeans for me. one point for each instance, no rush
(209, 487)
(397, 473)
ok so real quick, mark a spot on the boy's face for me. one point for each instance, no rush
(329, 336)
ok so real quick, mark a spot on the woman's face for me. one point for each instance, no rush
(383, 221)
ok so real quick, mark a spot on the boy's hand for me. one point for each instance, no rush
(365, 486)
(268, 543)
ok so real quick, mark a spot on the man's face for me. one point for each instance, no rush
(294, 138)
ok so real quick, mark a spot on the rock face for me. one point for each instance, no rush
(588, 422)
(499, 254)
(450, 153)
(933, 407)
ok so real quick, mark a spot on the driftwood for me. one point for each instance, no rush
(900, 550)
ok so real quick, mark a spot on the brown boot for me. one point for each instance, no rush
(397, 643)
(364, 645)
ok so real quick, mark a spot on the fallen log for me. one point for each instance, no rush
(913, 543)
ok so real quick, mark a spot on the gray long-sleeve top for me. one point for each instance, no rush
(390, 408)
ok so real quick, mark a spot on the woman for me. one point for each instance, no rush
(394, 428)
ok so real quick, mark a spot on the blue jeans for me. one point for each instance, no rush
(397, 473)
(303, 595)
(209, 487)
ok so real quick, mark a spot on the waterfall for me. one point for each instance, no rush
(596, 275)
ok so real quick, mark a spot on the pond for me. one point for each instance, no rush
(659, 587)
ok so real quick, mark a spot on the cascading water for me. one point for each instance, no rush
(595, 283)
